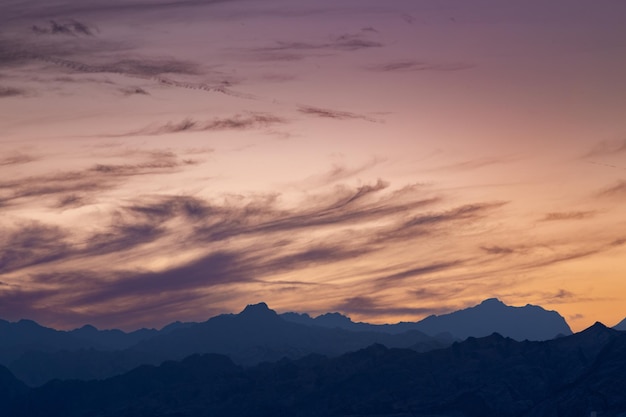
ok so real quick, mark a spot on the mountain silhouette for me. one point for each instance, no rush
(621, 325)
(259, 334)
(17, 338)
(37, 354)
(492, 376)
(492, 315)
(113, 339)
(10, 387)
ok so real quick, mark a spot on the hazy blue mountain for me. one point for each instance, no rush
(492, 376)
(258, 334)
(37, 354)
(338, 320)
(621, 325)
(10, 387)
(520, 323)
(19, 338)
(113, 339)
(36, 367)
(24, 335)
(492, 315)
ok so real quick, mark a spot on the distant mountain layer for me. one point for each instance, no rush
(259, 334)
(576, 376)
(520, 323)
(621, 325)
(37, 354)
(255, 335)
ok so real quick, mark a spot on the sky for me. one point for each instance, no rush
(173, 160)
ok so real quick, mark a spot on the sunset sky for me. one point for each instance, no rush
(173, 160)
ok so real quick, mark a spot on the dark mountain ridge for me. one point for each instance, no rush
(37, 354)
(529, 322)
(479, 377)
(255, 335)
(259, 334)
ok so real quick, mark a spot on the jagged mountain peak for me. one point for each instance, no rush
(492, 302)
(621, 325)
(597, 328)
(258, 310)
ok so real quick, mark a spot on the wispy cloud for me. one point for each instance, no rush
(339, 172)
(367, 304)
(416, 66)
(476, 163)
(16, 158)
(399, 277)
(71, 28)
(31, 244)
(71, 187)
(298, 50)
(236, 122)
(11, 91)
(615, 191)
(569, 215)
(497, 250)
(606, 148)
(347, 42)
(347, 224)
(333, 114)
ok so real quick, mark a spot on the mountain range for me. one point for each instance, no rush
(579, 375)
(36, 354)
(529, 322)
(621, 325)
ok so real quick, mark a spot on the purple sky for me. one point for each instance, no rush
(171, 160)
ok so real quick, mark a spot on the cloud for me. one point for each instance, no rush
(295, 50)
(437, 293)
(17, 158)
(570, 215)
(367, 305)
(89, 181)
(393, 279)
(345, 42)
(425, 223)
(606, 148)
(236, 122)
(618, 242)
(339, 172)
(31, 244)
(618, 190)
(70, 200)
(131, 91)
(477, 163)
(11, 92)
(97, 56)
(417, 66)
(497, 250)
(332, 114)
(71, 28)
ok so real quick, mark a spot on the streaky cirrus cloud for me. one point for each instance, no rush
(333, 114)
(72, 28)
(11, 92)
(75, 185)
(606, 148)
(618, 190)
(236, 122)
(416, 66)
(569, 215)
